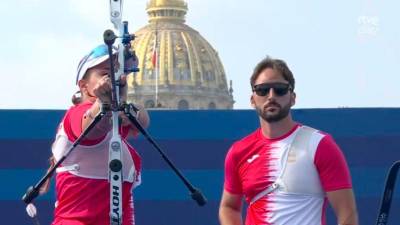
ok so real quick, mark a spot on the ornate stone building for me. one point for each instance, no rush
(179, 69)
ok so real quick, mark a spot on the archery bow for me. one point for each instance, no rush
(115, 153)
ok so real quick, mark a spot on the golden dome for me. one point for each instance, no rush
(190, 73)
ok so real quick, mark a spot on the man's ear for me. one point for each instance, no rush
(293, 99)
(252, 101)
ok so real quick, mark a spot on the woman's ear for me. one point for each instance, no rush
(82, 84)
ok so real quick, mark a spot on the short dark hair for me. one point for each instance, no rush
(275, 64)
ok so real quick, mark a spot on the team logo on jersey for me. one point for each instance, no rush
(253, 158)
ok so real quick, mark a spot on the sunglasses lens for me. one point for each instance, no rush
(262, 91)
(280, 89)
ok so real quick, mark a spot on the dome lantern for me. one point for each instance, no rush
(174, 10)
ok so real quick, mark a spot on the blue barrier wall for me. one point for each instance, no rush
(197, 142)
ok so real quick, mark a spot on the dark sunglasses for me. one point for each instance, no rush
(263, 89)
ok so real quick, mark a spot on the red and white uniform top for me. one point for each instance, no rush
(82, 185)
(303, 170)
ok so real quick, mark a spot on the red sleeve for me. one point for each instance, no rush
(232, 182)
(331, 165)
(75, 117)
(73, 123)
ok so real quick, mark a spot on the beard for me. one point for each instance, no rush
(280, 113)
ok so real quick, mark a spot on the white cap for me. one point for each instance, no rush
(94, 58)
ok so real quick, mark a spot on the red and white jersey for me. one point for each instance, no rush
(304, 175)
(82, 185)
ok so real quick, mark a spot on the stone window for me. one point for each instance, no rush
(212, 105)
(183, 104)
(149, 104)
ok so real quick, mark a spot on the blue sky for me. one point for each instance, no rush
(342, 53)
